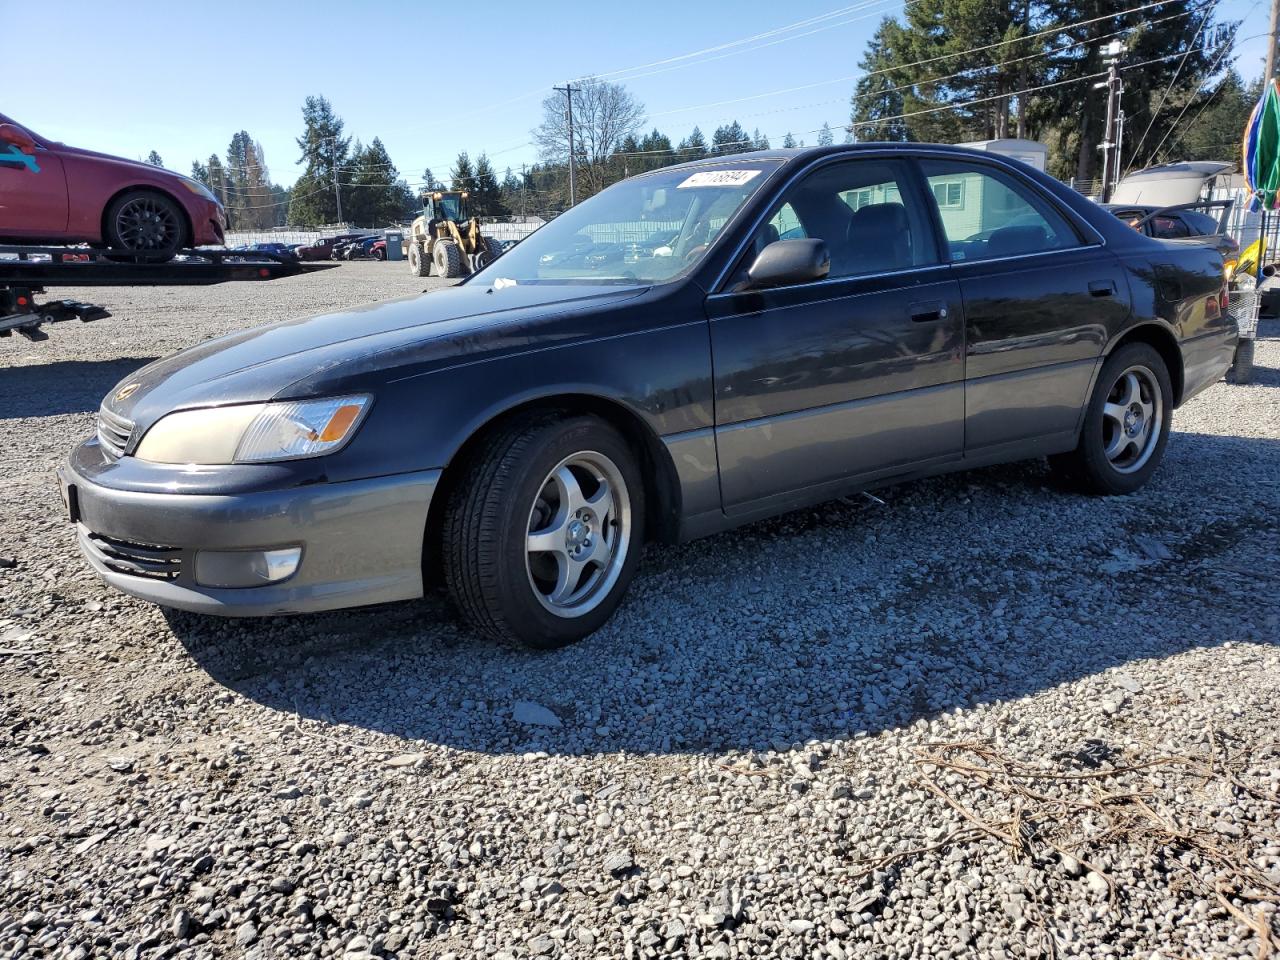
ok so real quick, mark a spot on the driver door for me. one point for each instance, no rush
(824, 385)
(33, 193)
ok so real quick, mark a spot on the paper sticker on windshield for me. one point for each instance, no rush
(718, 178)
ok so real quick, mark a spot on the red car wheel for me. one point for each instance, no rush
(147, 224)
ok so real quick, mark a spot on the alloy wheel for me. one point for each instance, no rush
(1131, 419)
(147, 224)
(579, 534)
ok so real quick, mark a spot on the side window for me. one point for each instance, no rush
(987, 213)
(865, 213)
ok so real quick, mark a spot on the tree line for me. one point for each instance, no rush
(951, 71)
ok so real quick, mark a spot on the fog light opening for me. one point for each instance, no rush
(246, 568)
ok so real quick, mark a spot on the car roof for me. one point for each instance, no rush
(805, 154)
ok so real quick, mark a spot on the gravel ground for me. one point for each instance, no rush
(985, 717)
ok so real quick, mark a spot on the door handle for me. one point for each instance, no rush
(1102, 288)
(928, 311)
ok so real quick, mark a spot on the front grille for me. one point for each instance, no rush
(136, 559)
(114, 432)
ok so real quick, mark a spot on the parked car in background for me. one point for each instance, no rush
(340, 249)
(378, 250)
(322, 249)
(1178, 223)
(280, 249)
(53, 193)
(362, 249)
(582, 401)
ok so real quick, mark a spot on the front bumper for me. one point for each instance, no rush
(361, 541)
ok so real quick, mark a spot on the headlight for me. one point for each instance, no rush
(255, 432)
(198, 188)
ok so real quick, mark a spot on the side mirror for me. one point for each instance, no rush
(17, 137)
(784, 262)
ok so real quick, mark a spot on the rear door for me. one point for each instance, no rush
(1039, 295)
(850, 378)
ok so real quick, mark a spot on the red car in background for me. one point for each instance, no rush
(53, 193)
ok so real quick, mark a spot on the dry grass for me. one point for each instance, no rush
(1088, 806)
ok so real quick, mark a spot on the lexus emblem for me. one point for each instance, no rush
(127, 391)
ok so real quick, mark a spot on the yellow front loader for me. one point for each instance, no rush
(444, 241)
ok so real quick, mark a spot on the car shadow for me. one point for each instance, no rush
(832, 622)
(61, 387)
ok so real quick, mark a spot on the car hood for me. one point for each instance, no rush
(138, 165)
(312, 356)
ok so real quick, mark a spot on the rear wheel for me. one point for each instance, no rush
(489, 251)
(1242, 366)
(147, 225)
(543, 535)
(448, 259)
(419, 262)
(379, 253)
(1126, 424)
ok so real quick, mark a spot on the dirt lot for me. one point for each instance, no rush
(986, 717)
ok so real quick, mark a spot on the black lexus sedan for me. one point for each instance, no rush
(521, 436)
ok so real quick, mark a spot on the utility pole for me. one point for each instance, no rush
(568, 90)
(337, 194)
(1115, 87)
(524, 190)
(1273, 36)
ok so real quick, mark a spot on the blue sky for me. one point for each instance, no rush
(181, 79)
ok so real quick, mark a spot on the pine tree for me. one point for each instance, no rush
(217, 178)
(656, 150)
(694, 146)
(324, 148)
(825, 137)
(462, 177)
(788, 142)
(153, 158)
(758, 140)
(730, 138)
(486, 195)
(199, 172)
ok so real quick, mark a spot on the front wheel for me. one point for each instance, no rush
(419, 262)
(1126, 424)
(543, 534)
(146, 225)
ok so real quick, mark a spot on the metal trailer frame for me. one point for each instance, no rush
(25, 272)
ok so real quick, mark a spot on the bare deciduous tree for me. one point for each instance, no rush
(604, 114)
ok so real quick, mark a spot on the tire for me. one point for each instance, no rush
(1242, 367)
(500, 582)
(1126, 425)
(147, 225)
(379, 254)
(448, 259)
(419, 262)
(489, 251)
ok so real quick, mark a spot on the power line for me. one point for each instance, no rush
(1226, 47)
(1174, 79)
(918, 63)
(1011, 93)
(762, 46)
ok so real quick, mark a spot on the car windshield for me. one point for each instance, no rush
(649, 229)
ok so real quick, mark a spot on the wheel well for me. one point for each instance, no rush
(1165, 345)
(661, 484)
(140, 188)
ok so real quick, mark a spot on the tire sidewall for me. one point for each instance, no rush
(520, 607)
(1102, 474)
